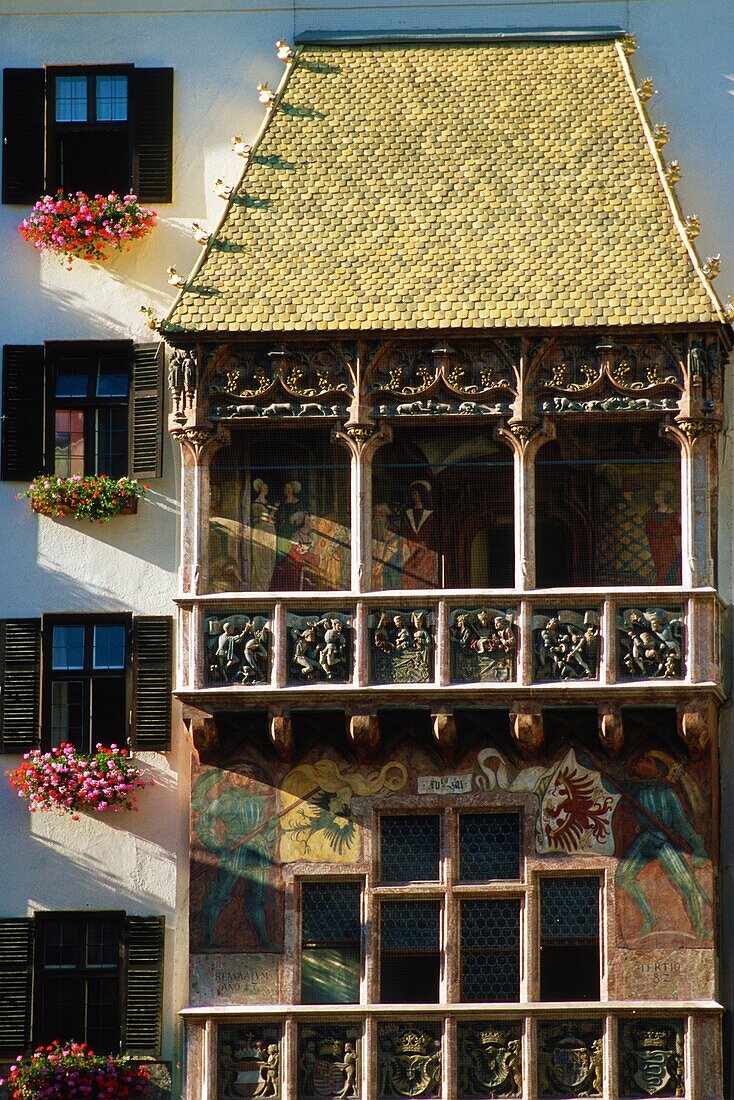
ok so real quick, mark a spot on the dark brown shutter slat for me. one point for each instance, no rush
(24, 111)
(153, 134)
(143, 986)
(152, 665)
(16, 968)
(146, 419)
(20, 683)
(22, 415)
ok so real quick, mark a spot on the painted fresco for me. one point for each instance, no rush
(645, 817)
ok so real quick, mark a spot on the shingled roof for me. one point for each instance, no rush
(444, 184)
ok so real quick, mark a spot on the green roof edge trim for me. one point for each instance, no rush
(469, 34)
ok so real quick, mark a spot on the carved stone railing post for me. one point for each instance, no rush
(362, 438)
(526, 437)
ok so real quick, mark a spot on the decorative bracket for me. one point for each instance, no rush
(696, 722)
(611, 728)
(526, 729)
(445, 735)
(282, 737)
(364, 735)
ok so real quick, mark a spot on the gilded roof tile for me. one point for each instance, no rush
(456, 184)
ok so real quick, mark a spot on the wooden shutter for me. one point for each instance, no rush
(16, 969)
(22, 416)
(20, 683)
(24, 118)
(152, 667)
(153, 134)
(143, 986)
(146, 412)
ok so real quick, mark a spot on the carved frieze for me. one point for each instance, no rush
(483, 645)
(402, 647)
(602, 368)
(651, 643)
(237, 648)
(329, 1062)
(409, 1060)
(489, 1060)
(320, 648)
(651, 1058)
(566, 645)
(570, 1059)
(249, 1061)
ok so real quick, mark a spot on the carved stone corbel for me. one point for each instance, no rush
(202, 735)
(445, 735)
(364, 735)
(526, 729)
(611, 728)
(696, 722)
(282, 737)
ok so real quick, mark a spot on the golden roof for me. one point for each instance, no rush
(446, 185)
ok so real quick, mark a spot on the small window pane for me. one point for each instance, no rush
(410, 963)
(71, 99)
(72, 378)
(113, 379)
(410, 847)
(62, 1007)
(490, 950)
(111, 442)
(489, 847)
(102, 1023)
(109, 646)
(103, 943)
(330, 955)
(67, 714)
(69, 442)
(108, 710)
(61, 944)
(569, 939)
(111, 98)
(68, 647)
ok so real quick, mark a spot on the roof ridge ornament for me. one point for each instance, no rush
(646, 90)
(661, 135)
(266, 95)
(629, 44)
(284, 52)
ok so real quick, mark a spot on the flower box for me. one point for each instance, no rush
(77, 227)
(66, 780)
(67, 1071)
(96, 498)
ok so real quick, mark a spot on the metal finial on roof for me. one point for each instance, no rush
(266, 95)
(151, 320)
(673, 172)
(222, 190)
(284, 51)
(712, 267)
(629, 44)
(174, 279)
(646, 90)
(200, 235)
(729, 314)
(240, 147)
(692, 226)
(661, 135)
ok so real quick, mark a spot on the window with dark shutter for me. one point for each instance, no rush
(20, 677)
(88, 128)
(144, 986)
(152, 673)
(153, 135)
(24, 106)
(16, 968)
(23, 412)
(146, 421)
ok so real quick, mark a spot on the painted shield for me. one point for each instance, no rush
(571, 1062)
(492, 1066)
(652, 1073)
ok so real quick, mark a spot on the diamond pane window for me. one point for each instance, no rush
(410, 848)
(330, 942)
(569, 939)
(490, 949)
(410, 957)
(489, 847)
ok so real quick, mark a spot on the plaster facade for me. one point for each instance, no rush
(141, 564)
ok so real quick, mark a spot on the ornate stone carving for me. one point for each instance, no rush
(615, 403)
(249, 1061)
(651, 1058)
(402, 647)
(526, 729)
(651, 643)
(566, 645)
(409, 1060)
(182, 380)
(329, 1063)
(320, 647)
(277, 411)
(282, 737)
(570, 1059)
(445, 735)
(237, 648)
(697, 720)
(483, 645)
(607, 370)
(490, 1060)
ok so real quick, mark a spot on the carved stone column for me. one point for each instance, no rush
(198, 446)
(526, 437)
(362, 437)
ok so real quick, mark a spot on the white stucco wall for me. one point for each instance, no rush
(220, 51)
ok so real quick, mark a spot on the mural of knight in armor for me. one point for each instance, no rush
(280, 514)
(608, 506)
(442, 513)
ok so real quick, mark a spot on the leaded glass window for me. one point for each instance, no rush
(489, 847)
(330, 942)
(569, 938)
(410, 847)
(410, 963)
(490, 949)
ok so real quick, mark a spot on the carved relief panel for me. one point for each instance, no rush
(570, 1058)
(402, 647)
(489, 1059)
(483, 645)
(320, 648)
(248, 1061)
(237, 648)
